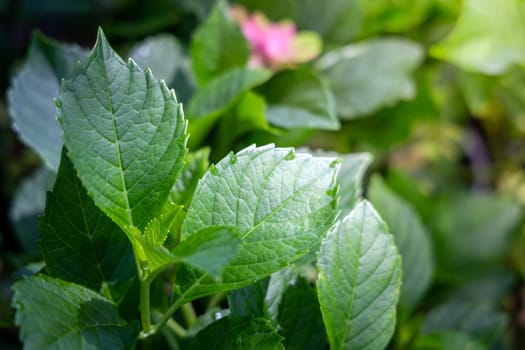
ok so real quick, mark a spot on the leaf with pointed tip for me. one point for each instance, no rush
(54, 314)
(218, 45)
(209, 249)
(218, 95)
(300, 99)
(31, 96)
(367, 76)
(79, 243)
(281, 202)
(300, 319)
(125, 133)
(237, 333)
(359, 281)
(412, 239)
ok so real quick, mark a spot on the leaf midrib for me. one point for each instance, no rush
(117, 146)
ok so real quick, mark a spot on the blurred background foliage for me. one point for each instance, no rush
(434, 90)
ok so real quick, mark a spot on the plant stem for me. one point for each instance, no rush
(169, 313)
(176, 328)
(188, 312)
(173, 325)
(145, 315)
(215, 300)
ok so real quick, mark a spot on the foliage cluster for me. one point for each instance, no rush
(363, 195)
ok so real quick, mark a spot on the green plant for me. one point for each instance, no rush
(122, 198)
(419, 105)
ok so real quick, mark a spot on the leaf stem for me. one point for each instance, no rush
(176, 328)
(169, 313)
(215, 300)
(145, 315)
(173, 325)
(188, 312)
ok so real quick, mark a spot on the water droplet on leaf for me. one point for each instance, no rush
(218, 315)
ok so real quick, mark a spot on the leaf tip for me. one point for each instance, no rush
(100, 34)
(102, 46)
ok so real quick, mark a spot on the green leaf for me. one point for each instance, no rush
(350, 179)
(32, 92)
(209, 249)
(221, 92)
(475, 309)
(125, 133)
(446, 340)
(400, 16)
(218, 95)
(487, 38)
(299, 99)
(359, 281)
(248, 115)
(170, 220)
(300, 319)
(412, 239)
(279, 282)
(478, 90)
(263, 298)
(337, 21)
(237, 333)
(161, 53)
(150, 255)
(218, 45)
(369, 75)
(282, 204)
(79, 243)
(249, 300)
(195, 167)
(155, 233)
(54, 314)
(490, 222)
(482, 320)
(245, 116)
(28, 204)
